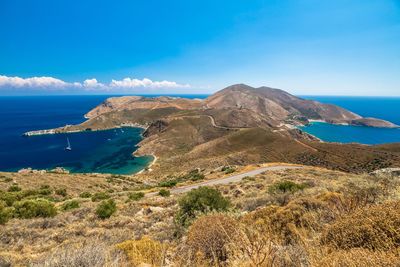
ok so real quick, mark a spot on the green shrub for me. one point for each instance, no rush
(61, 192)
(286, 187)
(29, 193)
(100, 196)
(85, 195)
(136, 196)
(10, 197)
(170, 183)
(26, 209)
(106, 208)
(194, 175)
(5, 212)
(71, 204)
(228, 169)
(164, 193)
(200, 200)
(45, 190)
(14, 188)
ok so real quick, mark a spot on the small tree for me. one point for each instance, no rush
(200, 200)
(106, 208)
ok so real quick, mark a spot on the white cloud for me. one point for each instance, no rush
(92, 84)
(34, 82)
(88, 84)
(146, 83)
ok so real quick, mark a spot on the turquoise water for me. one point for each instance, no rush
(102, 151)
(378, 107)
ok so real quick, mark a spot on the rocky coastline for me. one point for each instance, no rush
(67, 129)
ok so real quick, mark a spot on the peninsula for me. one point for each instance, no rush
(237, 125)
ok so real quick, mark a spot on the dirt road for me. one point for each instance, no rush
(226, 180)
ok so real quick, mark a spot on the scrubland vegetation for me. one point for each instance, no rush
(304, 217)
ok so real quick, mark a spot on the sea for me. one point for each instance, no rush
(110, 151)
(386, 108)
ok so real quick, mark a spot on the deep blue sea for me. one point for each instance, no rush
(387, 108)
(102, 151)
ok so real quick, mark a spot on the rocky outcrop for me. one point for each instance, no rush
(155, 128)
(387, 171)
(372, 122)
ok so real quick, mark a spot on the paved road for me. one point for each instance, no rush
(227, 180)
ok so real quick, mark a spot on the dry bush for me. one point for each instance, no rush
(359, 258)
(209, 236)
(285, 224)
(92, 253)
(251, 204)
(252, 245)
(145, 251)
(374, 227)
(255, 245)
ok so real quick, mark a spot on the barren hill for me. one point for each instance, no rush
(270, 105)
(279, 105)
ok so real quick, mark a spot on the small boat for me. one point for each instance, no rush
(68, 148)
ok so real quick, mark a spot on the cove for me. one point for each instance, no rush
(352, 134)
(108, 151)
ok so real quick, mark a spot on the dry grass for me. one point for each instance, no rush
(144, 251)
(208, 237)
(360, 258)
(90, 253)
(313, 226)
(377, 227)
(73, 183)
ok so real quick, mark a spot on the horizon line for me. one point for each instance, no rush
(185, 94)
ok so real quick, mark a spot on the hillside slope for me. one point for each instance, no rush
(279, 105)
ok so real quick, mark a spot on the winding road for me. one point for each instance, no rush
(226, 180)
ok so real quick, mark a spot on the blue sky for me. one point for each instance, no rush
(341, 47)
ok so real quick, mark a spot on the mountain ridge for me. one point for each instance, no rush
(275, 105)
(281, 105)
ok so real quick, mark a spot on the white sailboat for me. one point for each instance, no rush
(68, 148)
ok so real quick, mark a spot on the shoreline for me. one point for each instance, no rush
(155, 158)
(62, 131)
